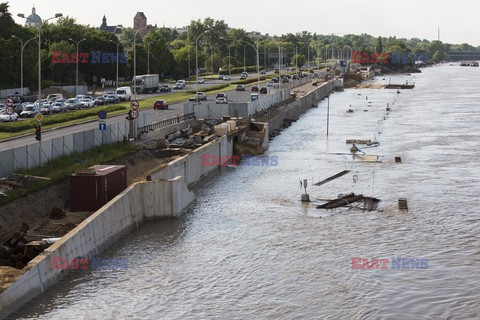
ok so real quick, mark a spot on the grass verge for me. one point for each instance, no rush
(60, 168)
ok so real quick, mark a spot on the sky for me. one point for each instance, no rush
(458, 20)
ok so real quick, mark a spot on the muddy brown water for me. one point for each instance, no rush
(250, 250)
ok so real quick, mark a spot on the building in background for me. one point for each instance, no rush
(139, 22)
(33, 20)
(117, 30)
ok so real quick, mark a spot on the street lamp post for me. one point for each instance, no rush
(135, 62)
(117, 43)
(148, 55)
(256, 50)
(21, 59)
(196, 63)
(57, 15)
(76, 73)
(244, 53)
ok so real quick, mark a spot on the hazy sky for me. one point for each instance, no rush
(458, 20)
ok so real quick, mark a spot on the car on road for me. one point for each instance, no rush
(276, 71)
(202, 96)
(79, 96)
(200, 81)
(255, 88)
(58, 107)
(99, 101)
(29, 111)
(240, 87)
(165, 88)
(243, 76)
(87, 103)
(272, 84)
(42, 101)
(264, 90)
(227, 78)
(295, 77)
(72, 104)
(221, 95)
(124, 93)
(221, 100)
(160, 105)
(5, 117)
(111, 98)
(275, 79)
(221, 77)
(180, 85)
(46, 108)
(263, 72)
(285, 79)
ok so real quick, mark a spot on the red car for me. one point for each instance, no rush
(255, 88)
(160, 105)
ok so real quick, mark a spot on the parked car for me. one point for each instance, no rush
(72, 104)
(5, 117)
(79, 96)
(46, 108)
(264, 90)
(59, 107)
(240, 87)
(221, 100)
(54, 96)
(124, 93)
(111, 98)
(39, 103)
(160, 105)
(200, 81)
(29, 111)
(221, 77)
(99, 101)
(255, 88)
(243, 75)
(227, 78)
(86, 103)
(165, 88)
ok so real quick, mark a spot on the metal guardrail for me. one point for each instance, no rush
(165, 123)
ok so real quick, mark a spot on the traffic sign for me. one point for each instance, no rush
(9, 102)
(102, 114)
(102, 126)
(135, 114)
(39, 117)
(10, 110)
(134, 104)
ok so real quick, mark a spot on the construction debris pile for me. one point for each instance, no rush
(352, 200)
(16, 181)
(16, 251)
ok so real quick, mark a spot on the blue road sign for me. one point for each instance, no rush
(102, 114)
(102, 126)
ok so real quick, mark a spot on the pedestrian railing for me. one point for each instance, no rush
(166, 123)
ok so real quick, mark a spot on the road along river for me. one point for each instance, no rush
(249, 249)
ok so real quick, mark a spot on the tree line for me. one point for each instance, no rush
(173, 54)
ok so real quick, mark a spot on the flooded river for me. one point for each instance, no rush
(249, 249)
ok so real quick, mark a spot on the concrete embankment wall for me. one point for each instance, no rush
(300, 105)
(166, 195)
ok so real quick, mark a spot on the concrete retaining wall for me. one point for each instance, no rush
(167, 195)
(299, 106)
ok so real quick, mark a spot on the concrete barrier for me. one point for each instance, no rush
(141, 201)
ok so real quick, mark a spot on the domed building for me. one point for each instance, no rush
(33, 20)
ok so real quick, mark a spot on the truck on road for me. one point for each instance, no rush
(146, 83)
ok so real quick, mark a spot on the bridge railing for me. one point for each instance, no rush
(166, 123)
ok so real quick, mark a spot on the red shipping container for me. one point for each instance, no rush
(89, 191)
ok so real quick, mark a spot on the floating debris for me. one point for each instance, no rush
(369, 203)
(335, 176)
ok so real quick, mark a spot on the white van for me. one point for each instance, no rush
(124, 93)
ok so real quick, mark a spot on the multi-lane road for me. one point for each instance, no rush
(150, 114)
